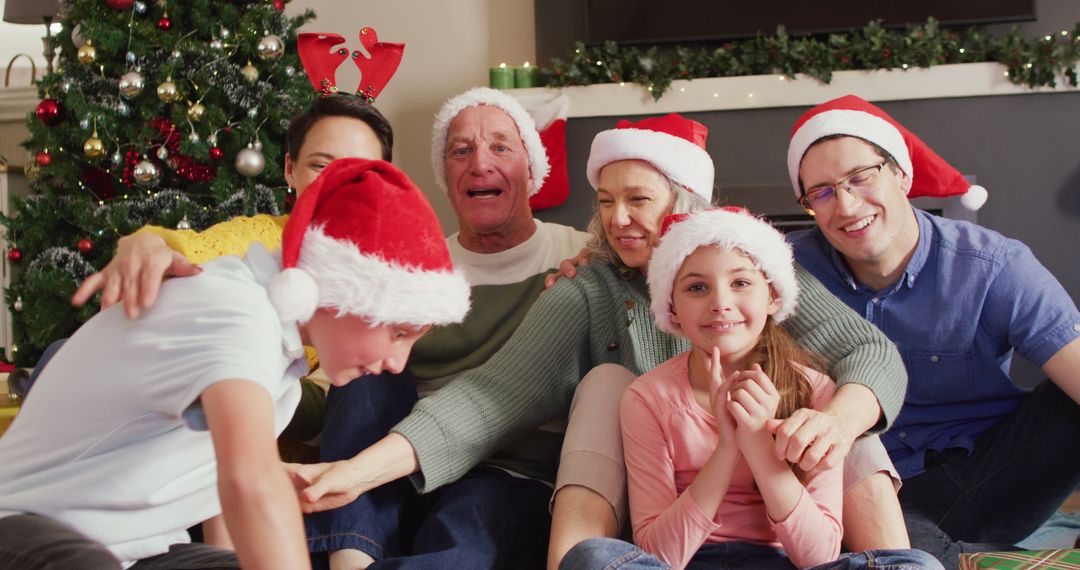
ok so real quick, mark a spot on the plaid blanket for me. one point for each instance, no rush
(1022, 560)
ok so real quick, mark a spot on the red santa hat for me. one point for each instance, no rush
(363, 239)
(673, 144)
(849, 115)
(728, 228)
(534, 148)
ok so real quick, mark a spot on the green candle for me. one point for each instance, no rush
(501, 77)
(525, 76)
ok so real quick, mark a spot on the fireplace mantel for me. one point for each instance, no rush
(763, 91)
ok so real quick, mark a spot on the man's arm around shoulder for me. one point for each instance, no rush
(257, 498)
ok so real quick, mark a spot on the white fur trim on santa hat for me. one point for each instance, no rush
(846, 122)
(538, 160)
(974, 198)
(729, 230)
(294, 294)
(359, 284)
(677, 158)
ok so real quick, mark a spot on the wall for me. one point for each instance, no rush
(448, 48)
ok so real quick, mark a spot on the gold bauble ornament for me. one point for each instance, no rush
(196, 112)
(167, 91)
(93, 147)
(250, 72)
(87, 54)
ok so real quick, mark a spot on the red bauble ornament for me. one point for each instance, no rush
(50, 112)
(164, 24)
(43, 158)
(120, 4)
(14, 254)
(279, 5)
(85, 245)
(216, 153)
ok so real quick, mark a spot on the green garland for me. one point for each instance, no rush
(1035, 62)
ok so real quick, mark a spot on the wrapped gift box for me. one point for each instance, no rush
(1022, 560)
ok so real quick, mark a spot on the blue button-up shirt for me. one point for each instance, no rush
(967, 298)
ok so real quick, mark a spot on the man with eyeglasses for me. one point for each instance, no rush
(983, 462)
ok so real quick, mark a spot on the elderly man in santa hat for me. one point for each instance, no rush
(983, 461)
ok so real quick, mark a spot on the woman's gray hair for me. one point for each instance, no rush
(601, 251)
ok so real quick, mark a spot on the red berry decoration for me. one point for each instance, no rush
(85, 245)
(216, 153)
(164, 24)
(50, 112)
(14, 254)
(120, 4)
(43, 158)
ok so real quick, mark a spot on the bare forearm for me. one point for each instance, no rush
(263, 518)
(856, 408)
(1063, 369)
(389, 459)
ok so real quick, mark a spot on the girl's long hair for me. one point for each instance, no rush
(779, 357)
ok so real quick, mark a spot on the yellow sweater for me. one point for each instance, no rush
(232, 237)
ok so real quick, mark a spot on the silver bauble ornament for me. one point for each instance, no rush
(162, 152)
(250, 73)
(215, 44)
(140, 8)
(131, 84)
(183, 224)
(224, 33)
(290, 71)
(250, 162)
(18, 304)
(146, 173)
(117, 158)
(176, 54)
(123, 109)
(130, 57)
(84, 124)
(194, 137)
(168, 91)
(270, 47)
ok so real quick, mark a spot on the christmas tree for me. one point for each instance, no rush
(162, 112)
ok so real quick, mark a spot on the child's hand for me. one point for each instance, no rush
(754, 400)
(720, 397)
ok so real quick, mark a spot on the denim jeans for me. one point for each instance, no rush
(1018, 475)
(35, 542)
(487, 519)
(612, 554)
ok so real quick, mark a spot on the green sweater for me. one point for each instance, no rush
(493, 411)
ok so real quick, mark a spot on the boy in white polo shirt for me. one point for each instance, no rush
(110, 459)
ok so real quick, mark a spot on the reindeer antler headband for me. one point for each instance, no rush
(321, 61)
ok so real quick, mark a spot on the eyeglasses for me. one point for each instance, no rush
(860, 184)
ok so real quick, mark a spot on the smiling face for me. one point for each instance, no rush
(328, 139)
(487, 173)
(349, 347)
(719, 299)
(633, 198)
(877, 232)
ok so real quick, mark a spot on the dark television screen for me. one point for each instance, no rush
(653, 21)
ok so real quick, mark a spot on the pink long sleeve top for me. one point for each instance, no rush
(668, 437)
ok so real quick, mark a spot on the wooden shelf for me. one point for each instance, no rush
(763, 91)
